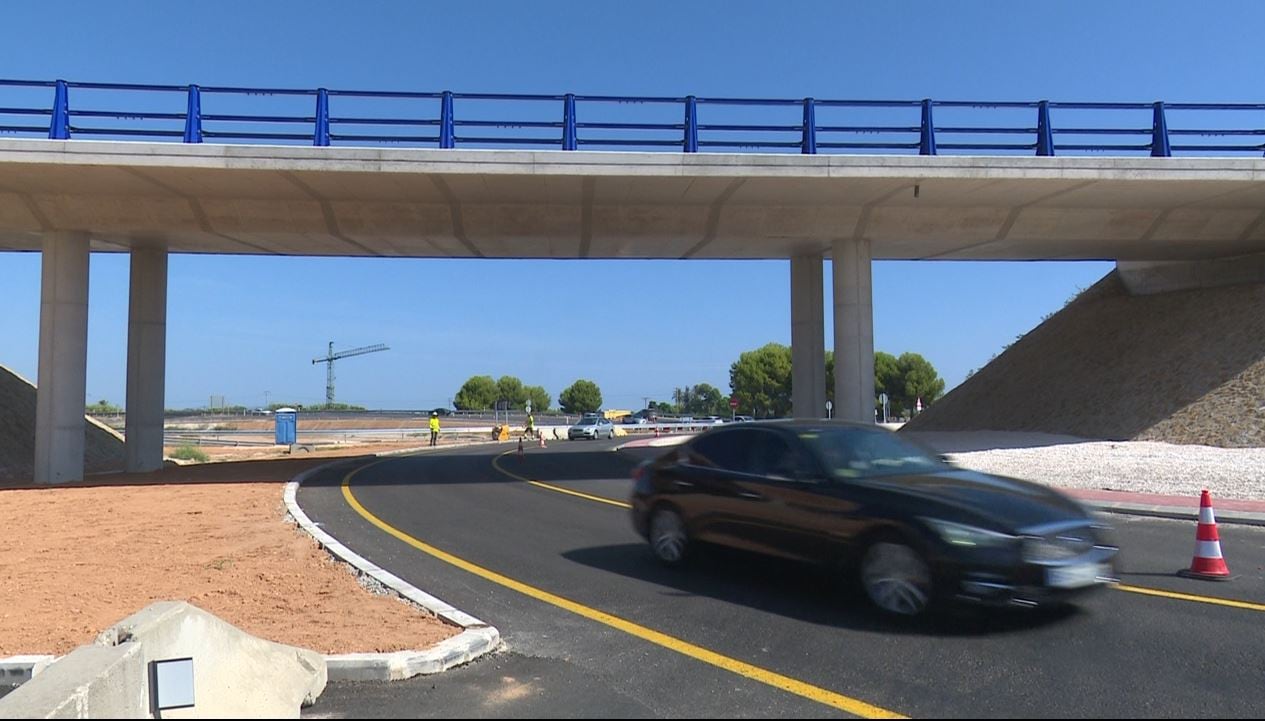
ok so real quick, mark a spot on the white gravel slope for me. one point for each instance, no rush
(1134, 466)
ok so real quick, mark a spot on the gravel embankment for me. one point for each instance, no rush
(1132, 466)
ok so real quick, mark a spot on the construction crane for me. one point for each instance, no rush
(330, 357)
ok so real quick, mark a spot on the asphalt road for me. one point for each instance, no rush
(732, 619)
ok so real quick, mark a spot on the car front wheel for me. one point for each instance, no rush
(896, 578)
(668, 538)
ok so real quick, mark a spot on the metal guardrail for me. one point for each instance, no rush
(569, 121)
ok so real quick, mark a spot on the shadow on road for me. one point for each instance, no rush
(805, 593)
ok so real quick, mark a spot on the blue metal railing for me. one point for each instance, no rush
(322, 117)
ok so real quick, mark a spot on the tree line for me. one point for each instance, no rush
(760, 380)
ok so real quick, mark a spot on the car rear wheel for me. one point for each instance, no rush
(668, 539)
(896, 578)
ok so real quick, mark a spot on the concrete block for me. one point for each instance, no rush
(235, 674)
(89, 682)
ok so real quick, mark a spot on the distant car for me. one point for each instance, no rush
(916, 530)
(442, 412)
(642, 417)
(742, 419)
(591, 427)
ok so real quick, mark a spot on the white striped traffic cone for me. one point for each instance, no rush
(1208, 563)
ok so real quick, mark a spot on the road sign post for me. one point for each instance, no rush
(733, 409)
(830, 407)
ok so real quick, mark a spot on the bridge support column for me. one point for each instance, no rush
(808, 345)
(63, 359)
(854, 331)
(146, 358)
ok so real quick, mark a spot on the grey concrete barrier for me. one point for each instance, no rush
(235, 674)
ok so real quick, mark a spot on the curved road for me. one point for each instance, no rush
(594, 627)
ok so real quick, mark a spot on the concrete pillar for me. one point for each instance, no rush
(854, 331)
(146, 359)
(63, 364)
(808, 344)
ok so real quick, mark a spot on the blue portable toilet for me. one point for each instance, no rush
(287, 425)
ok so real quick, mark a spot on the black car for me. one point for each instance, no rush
(916, 529)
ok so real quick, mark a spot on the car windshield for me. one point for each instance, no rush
(859, 452)
(587, 422)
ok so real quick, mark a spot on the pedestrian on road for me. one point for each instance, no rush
(434, 428)
(530, 430)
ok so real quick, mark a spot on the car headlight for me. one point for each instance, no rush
(1045, 550)
(963, 536)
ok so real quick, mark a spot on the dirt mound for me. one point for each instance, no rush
(103, 447)
(1183, 367)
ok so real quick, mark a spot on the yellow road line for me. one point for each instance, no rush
(496, 463)
(1192, 597)
(771, 678)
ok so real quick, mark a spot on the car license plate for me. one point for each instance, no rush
(1077, 576)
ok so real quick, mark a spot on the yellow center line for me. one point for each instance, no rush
(755, 673)
(1213, 600)
(496, 463)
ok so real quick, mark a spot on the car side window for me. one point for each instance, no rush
(720, 450)
(772, 456)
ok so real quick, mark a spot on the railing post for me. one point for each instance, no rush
(59, 128)
(927, 145)
(1159, 134)
(568, 122)
(691, 125)
(446, 135)
(193, 116)
(321, 136)
(808, 146)
(1045, 136)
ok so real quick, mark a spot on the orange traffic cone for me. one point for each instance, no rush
(520, 445)
(541, 436)
(1208, 564)
(656, 430)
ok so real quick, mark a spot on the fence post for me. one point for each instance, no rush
(446, 136)
(1045, 136)
(321, 136)
(691, 125)
(927, 145)
(59, 128)
(568, 122)
(1159, 134)
(193, 116)
(808, 146)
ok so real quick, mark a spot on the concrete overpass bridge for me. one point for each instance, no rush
(1166, 220)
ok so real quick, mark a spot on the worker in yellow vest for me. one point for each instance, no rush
(434, 428)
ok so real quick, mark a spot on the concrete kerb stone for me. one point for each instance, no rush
(476, 639)
(17, 670)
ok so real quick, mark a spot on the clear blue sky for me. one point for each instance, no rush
(230, 335)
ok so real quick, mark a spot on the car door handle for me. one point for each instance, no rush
(683, 484)
(749, 494)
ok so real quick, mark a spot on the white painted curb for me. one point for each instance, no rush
(477, 639)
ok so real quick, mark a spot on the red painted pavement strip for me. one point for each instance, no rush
(1183, 503)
